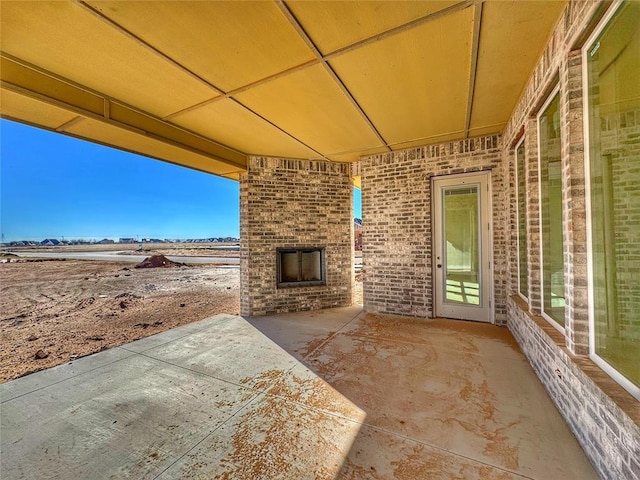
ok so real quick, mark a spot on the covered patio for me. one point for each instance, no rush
(533, 104)
(335, 393)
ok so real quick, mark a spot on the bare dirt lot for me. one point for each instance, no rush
(180, 249)
(54, 311)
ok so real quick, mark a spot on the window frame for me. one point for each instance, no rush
(515, 153)
(299, 251)
(609, 369)
(550, 97)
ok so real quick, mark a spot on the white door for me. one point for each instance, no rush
(462, 239)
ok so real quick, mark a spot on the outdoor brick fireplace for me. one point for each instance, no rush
(296, 230)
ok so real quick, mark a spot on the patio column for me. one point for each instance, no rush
(296, 236)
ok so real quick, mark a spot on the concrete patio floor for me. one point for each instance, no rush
(317, 395)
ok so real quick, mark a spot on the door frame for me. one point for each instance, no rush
(486, 219)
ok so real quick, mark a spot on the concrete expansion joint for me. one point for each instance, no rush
(333, 335)
(242, 399)
(213, 431)
(67, 378)
(445, 450)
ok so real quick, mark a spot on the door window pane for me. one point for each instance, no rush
(551, 212)
(523, 270)
(613, 63)
(462, 245)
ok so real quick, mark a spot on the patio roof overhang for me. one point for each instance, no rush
(205, 84)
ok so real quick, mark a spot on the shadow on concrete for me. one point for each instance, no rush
(327, 394)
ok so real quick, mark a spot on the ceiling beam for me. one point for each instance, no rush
(220, 93)
(400, 28)
(132, 36)
(477, 23)
(323, 59)
(33, 82)
(320, 58)
(250, 110)
(303, 34)
(244, 88)
(320, 155)
(70, 123)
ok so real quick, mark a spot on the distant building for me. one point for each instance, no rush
(50, 242)
(357, 233)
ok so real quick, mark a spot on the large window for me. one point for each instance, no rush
(523, 270)
(551, 211)
(612, 61)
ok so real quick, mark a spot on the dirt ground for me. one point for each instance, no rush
(60, 310)
(181, 249)
(54, 311)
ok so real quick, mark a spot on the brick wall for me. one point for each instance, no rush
(396, 210)
(294, 203)
(609, 436)
(603, 416)
(574, 209)
(533, 215)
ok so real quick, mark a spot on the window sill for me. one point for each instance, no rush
(301, 284)
(609, 387)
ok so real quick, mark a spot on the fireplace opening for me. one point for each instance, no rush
(300, 267)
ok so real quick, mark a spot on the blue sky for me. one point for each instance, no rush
(53, 186)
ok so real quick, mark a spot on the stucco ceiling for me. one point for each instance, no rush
(204, 84)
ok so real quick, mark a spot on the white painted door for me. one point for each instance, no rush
(462, 246)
